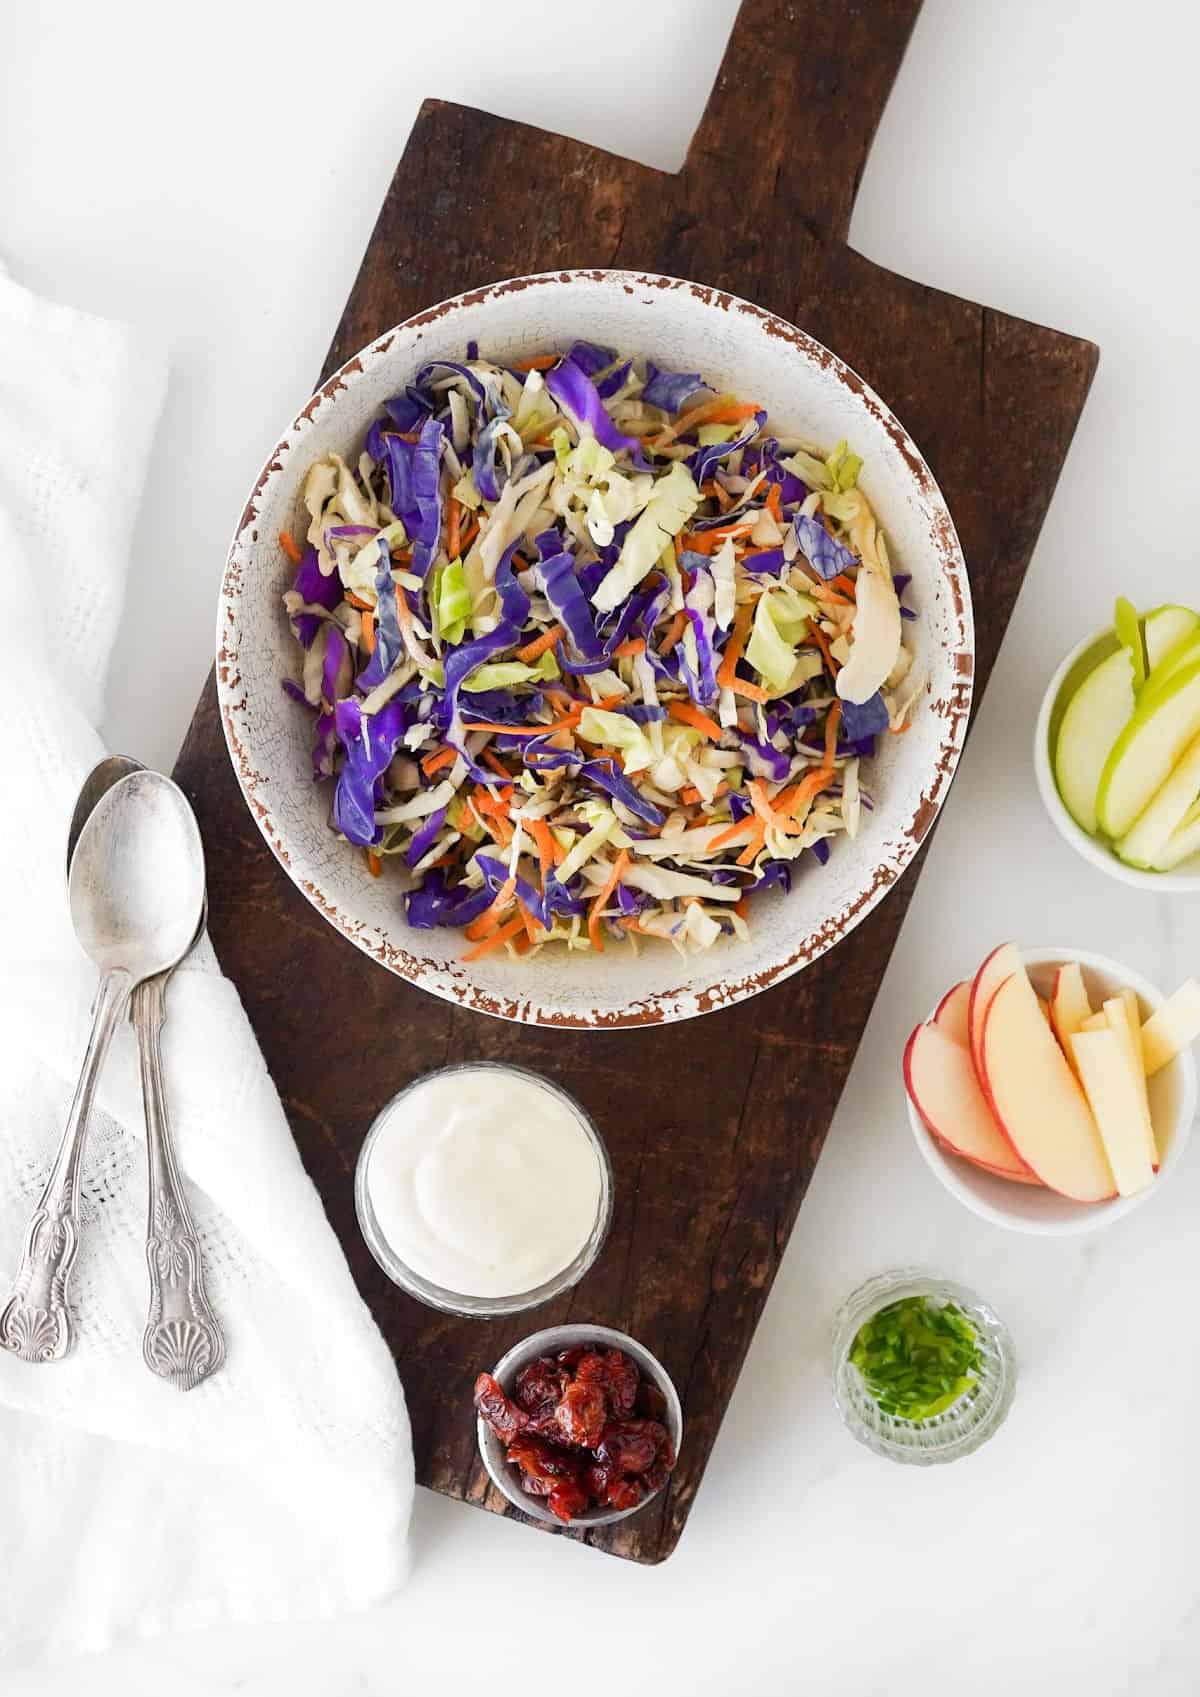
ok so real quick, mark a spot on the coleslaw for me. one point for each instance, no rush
(592, 655)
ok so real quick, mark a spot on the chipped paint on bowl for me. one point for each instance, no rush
(809, 392)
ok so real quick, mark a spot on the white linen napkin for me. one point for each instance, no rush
(282, 1486)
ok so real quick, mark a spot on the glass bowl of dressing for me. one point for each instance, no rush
(967, 1411)
(483, 1189)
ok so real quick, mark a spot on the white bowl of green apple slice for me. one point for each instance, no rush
(1117, 748)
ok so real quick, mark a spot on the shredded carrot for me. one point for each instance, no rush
(774, 502)
(543, 362)
(469, 535)
(532, 650)
(758, 837)
(288, 543)
(691, 796)
(542, 836)
(688, 714)
(899, 730)
(741, 907)
(357, 601)
(497, 765)
(674, 631)
(731, 833)
(727, 671)
(756, 789)
(374, 864)
(708, 541)
(440, 757)
(368, 632)
(831, 732)
(752, 692)
(490, 917)
(716, 411)
(815, 634)
(616, 873)
(634, 646)
(452, 518)
(491, 806)
(827, 593)
(714, 491)
(795, 801)
(496, 939)
(527, 920)
(845, 584)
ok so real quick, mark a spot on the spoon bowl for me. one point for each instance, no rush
(98, 782)
(137, 877)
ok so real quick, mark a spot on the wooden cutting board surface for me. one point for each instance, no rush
(715, 1125)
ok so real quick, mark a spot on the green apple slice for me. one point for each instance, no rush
(1095, 717)
(1183, 843)
(1142, 845)
(1147, 750)
(1167, 630)
(1176, 660)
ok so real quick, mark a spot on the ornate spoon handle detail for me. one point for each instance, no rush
(36, 1322)
(182, 1342)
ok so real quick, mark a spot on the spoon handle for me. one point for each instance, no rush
(182, 1342)
(36, 1322)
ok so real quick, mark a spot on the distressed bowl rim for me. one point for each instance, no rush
(678, 1002)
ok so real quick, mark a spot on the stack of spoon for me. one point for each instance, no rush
(135, 879)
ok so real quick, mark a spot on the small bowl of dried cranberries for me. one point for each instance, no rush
(578, 1425)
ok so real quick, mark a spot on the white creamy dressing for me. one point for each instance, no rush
(484, 1181)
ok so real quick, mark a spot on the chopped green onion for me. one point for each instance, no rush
(917, 1357)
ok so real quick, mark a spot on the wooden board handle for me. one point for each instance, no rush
(801, 79)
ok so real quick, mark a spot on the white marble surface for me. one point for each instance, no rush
(1042, 159)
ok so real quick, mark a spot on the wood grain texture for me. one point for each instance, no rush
(711, 1161)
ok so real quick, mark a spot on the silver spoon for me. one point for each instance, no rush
(136, 887)
(183, 1341)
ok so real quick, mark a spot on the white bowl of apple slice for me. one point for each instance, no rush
(1116, 750)
(1054, 1091)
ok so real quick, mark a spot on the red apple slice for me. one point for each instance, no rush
(941, 1083)
(986, 1166)
(1036, 1098)
(1002, 963)
(952, 1014)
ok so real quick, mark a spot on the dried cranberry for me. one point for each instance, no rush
(500, 1413)
(658, 1475)
(570, 1358)
(623, 1494)
(632, 1446)
(540, 1384)
(537, 1458)
(651, 1403)
(567, 1499)
(597, 1479)
(615, 1373)
(581, 1414)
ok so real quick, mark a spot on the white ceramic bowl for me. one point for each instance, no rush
(550, 1342)
(1095, 851)
(808, 391)
(1030, 1208)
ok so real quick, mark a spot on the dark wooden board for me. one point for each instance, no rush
(715, 1125)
